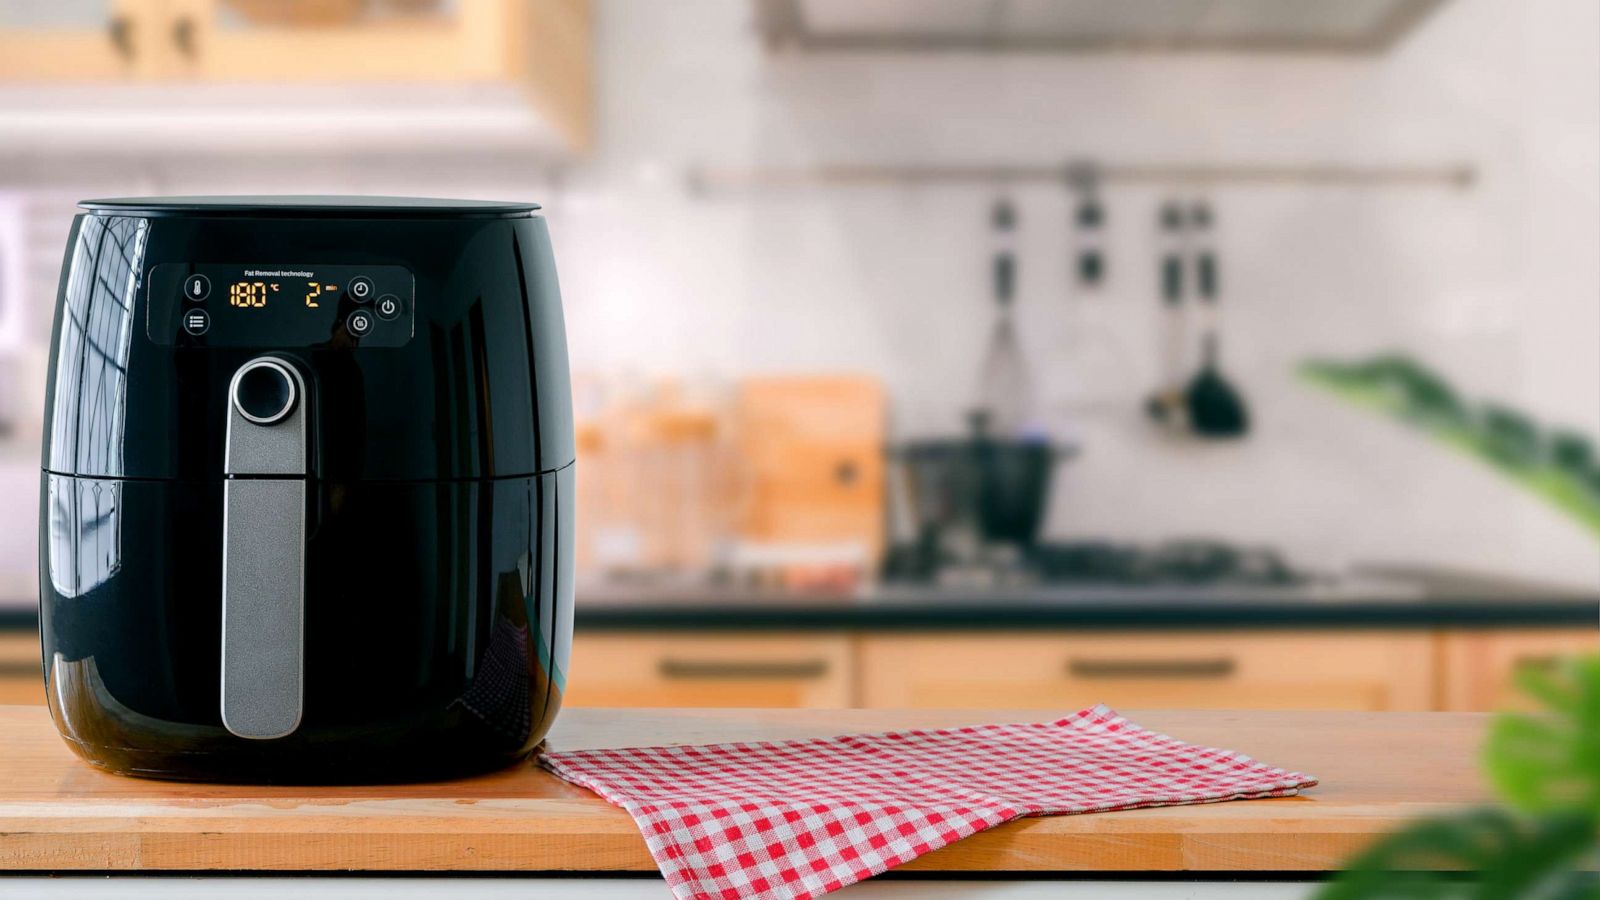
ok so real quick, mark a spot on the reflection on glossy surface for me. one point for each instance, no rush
(498, 694)
(94, 334)
(83, 534)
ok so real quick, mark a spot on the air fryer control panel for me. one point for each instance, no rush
(268, 305)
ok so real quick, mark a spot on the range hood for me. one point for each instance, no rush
(1091, 26)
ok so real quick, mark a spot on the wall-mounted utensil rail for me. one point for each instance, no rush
(1457, 176)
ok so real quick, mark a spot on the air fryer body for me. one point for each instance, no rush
(376, 586)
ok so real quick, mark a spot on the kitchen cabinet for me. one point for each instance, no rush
(1466, 671)
(1478, 669)
(765, 670)
(538, 50)
(1177, 670)
(75, 40)
(21, 676)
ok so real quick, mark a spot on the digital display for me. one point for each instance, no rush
(227, 305)
(280, 286)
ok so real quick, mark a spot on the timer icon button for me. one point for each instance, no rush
(361, 289)
(388, 307)
(359, 323)
(196, 322)
(196, 287)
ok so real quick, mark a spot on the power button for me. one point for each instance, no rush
(387, 307)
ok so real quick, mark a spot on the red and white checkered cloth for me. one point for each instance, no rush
(795, 819)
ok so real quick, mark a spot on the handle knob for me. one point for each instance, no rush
(264, 392)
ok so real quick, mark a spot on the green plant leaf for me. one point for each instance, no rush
(1546, 767)
(1550, 761)
(1556, 465)
(1487, 853)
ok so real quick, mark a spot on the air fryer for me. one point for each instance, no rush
(306, 501)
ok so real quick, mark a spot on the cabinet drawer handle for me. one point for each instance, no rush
(120, 30)
(727, 670)
(21, 669)
(183, 36)
(1221, 667)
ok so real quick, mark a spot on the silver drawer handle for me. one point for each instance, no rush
(263, 551)
(1220, 667)
(716, 669)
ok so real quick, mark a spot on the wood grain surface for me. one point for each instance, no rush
(1377, 770)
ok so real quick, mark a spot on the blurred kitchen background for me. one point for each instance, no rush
(1018, 353)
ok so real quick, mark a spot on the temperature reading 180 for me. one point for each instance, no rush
(250, 294)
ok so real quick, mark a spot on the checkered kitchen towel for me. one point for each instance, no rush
(795, 819)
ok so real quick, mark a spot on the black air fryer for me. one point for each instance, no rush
(306, 507)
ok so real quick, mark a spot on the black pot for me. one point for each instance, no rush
(1000, 488)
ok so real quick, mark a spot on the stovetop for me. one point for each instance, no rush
(1104, 571)
(1106, 563)
(1170, 563)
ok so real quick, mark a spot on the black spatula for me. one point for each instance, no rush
(1216, 408)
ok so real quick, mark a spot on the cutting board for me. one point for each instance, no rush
(811, 447)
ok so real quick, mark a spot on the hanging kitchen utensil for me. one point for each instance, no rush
(1090, 360)
(1005, 388)
(1167, 403)
(1088, 230)
(1216, 408)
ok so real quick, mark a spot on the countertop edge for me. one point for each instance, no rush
(802, 614)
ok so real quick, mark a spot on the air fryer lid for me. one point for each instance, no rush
(466, 377)
(312, 206)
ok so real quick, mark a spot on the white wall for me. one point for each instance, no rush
(1499, 285)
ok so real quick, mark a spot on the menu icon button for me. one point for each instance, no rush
(196, 322)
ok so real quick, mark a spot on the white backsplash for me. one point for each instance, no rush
(1496, 285)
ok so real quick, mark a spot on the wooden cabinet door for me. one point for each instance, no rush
(1174, 670)
(522, 52)
(86, 40)
(761, 670)
(21, 675)
(341, 41)
(1478, 669)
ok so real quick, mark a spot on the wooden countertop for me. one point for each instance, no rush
(1377, 770)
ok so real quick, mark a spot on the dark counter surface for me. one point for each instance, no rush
(1370, 597)
(1387, 597)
